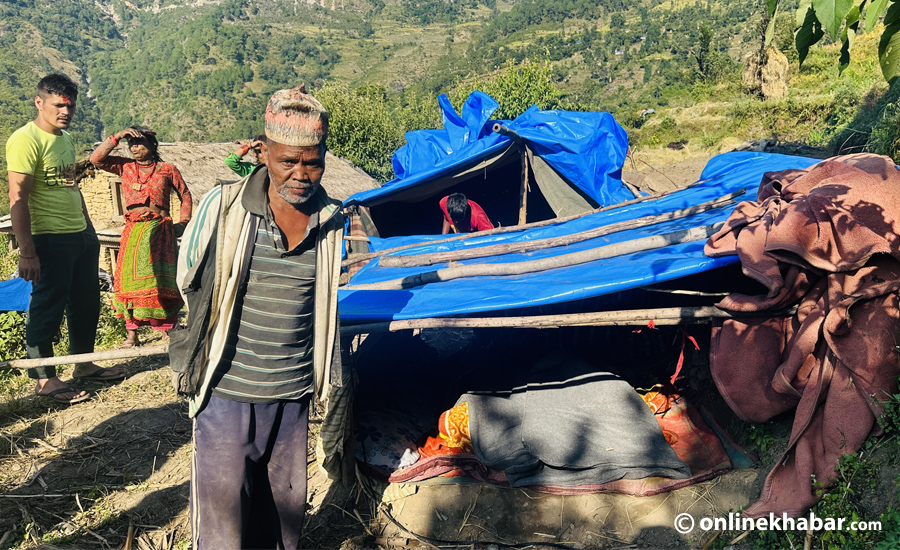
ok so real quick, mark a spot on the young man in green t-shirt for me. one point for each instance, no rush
(58, 248)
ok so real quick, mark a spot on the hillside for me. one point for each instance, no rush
(201, 70)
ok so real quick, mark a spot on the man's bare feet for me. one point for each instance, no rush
(57, 390)
(92, 371)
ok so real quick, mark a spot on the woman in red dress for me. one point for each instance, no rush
(145, 289)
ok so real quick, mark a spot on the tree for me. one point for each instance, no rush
(516, 89)
(841, 19)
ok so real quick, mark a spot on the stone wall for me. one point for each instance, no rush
(98, 197)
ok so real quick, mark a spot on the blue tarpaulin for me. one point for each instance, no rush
(15, 294)
(724, 174)
(586, 149)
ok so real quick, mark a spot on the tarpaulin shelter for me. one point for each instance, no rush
(558, 162)
(585, 159)
(564, 263)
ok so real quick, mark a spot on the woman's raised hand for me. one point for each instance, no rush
(129, 132)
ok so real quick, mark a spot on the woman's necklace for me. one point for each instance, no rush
(140, 183)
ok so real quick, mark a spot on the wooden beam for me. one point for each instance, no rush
(523, 192)
(512, 229)
(544, 264)
(543, 244)
(111, 355)
(633, 317)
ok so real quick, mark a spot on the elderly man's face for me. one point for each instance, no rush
(295, 172)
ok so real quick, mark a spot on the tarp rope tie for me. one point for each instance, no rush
(684, 335)
(651, 324)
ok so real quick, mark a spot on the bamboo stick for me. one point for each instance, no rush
(565, 240)
(544, 264)
(354, 259)
(523, 193)
(632, 317)
(110, 355)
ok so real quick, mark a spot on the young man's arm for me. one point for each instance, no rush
(87, 217)
(20, 186)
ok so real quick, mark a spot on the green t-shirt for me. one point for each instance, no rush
(54, 201)
(238, 166)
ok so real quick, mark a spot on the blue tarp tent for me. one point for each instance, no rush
(586, 149)
(574, 163)
(724, 174)
(422, 167)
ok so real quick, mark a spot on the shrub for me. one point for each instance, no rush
(367, 126)
(885, 137)
(12, 335)
(516, 89)
(361, 128)
(667, 123)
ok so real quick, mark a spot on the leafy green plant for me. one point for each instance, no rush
(856, 475)
(760, 436)
(110, 329)
(12, 335)
(889, 421)
(843, 21)
(885, 137)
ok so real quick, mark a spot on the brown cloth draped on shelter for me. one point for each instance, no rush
(824, 238)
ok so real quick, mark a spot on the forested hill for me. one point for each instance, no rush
(202, 69)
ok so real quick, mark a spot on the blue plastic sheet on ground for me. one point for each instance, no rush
(15, 294)
(724, 174)
(587, 149)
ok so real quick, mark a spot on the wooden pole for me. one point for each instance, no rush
(111, 355)
(513, 228)
(543, 244)
(523, 193)
(632, 317)
(563, 260)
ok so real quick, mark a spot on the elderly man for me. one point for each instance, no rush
(259, 264)
(58, 248)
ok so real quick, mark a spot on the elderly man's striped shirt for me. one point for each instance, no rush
(270, 349)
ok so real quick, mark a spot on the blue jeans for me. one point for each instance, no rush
(248, 477)
(69, 285)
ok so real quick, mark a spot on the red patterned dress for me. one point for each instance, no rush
(145, 289)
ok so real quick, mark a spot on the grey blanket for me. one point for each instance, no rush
(569, 425)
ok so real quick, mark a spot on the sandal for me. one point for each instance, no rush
(54, 395)
(98, 375)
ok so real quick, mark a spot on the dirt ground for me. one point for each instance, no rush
(89, 474)
(113, 472)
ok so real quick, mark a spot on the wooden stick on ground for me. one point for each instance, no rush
(144, 351)
(544, 264)
(564, 240)
(513, 228)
